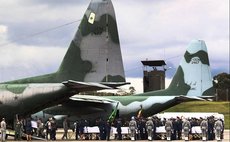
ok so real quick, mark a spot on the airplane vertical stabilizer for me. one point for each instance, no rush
(193, 76)
(97, 47)
(94, 55)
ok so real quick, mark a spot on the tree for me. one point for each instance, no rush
(122, 92)
(221, 83)
(132, 90)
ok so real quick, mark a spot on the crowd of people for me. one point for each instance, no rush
(139, 128)
(145, 128)
(24, 128)
(142, 129)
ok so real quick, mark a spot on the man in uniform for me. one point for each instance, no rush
(149, 128)
(141, 129)
(168, 129)
(186, 128)
(53, 128)
(118, 126)
(107, 130)
(218, 126)
(178, 128)
(40, 128)
(76, 129)
(65, 127)
(101, 126)
(204, 128)
(3, 130)
(132, 128)
(18, 130)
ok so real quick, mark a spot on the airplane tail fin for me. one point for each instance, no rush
(94, 54)
(193, 76)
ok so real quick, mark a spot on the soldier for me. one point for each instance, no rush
(118, 126)
(53, 128)
(168, 129)
(155, 125)
(132, 128)
(18, 130)
(186, 128)
(40, 128)
(107, 130)
(179, 128)
(204, 129)
(65, 127)
(101, 126)
(149, 128)
(141, 128)
(3, 130)
(218, 126)
(76, 129)
(211, 121)
(174, 129)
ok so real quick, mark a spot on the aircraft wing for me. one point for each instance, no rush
(84, 86)
(79, 105)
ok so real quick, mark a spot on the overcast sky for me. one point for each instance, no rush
(148, 29)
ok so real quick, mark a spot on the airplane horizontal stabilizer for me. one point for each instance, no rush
(95, 99)
(84, 86)
(114, 85)
(189, 98)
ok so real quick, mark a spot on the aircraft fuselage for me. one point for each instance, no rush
(128, 106)
(25, 99)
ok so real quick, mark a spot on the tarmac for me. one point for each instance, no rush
(226, 139)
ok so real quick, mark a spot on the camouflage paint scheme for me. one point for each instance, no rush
(192, 81)
(93, 61)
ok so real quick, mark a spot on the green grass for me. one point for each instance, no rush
(204, 106)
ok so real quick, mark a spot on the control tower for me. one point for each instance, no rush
(154, 75)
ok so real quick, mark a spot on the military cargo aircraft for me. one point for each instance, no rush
(192, 81)
(93, 61)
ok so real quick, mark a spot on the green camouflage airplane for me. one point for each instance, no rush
(93, 61)
(192, 81)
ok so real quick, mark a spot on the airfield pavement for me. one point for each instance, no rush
(226, 139)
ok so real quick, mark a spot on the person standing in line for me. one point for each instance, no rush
(107, 130)
(149, 128)
(65, 127)
(40, 128)
(133, 128)
(179, 128)
(168, 129)
(18, 129)
(76, 128)
(28, 129)
(118, 126)
(3, 130)
(218, 127)
(142, 135)
(174, 129)
(81, 129)
(53, 128)
(48, 128)
(211, 134)
(204, 128)
(186, 126)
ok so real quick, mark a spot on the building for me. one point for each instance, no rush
(154, 75)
